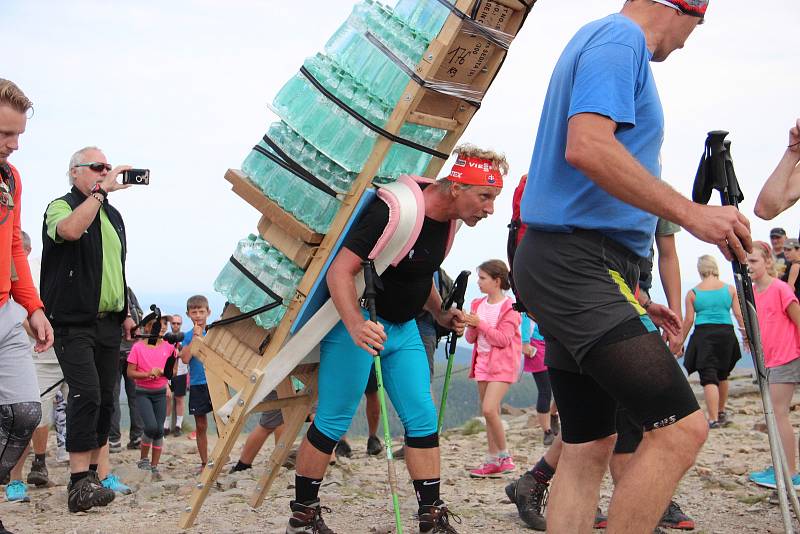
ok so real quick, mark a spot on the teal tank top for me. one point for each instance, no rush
(712, 306)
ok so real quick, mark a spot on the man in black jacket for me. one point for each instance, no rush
(83, 287)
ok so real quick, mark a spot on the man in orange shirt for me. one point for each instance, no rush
(20, 409)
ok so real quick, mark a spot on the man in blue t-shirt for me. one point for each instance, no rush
(591, 204)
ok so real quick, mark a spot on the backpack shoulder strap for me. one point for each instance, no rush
(406, 213)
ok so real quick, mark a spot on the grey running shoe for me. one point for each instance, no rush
(343, 449)
(436, 518)
(374, 446)
(308, 519)
(674, 517)
(724, 419)
(114, 446)
(38, 475)
(530, 496)
(143, 464)
(87, 493)
(548, 438)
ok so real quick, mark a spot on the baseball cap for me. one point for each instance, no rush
(777, 232)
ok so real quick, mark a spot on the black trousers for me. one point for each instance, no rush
(89, 359)
(135, 419)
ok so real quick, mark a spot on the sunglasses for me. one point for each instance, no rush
(95, 166)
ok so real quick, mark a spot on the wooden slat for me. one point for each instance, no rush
(294, 249)
(251, 194)
(434, 121)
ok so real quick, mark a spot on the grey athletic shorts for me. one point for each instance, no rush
(788, 373)
(271, 418)
(17, 374)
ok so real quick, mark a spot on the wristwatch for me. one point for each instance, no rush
(98, 189)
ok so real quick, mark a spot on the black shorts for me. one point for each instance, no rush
(199, 400)
(629, 368)
(629, 432)
(178, 385)
(372, 383)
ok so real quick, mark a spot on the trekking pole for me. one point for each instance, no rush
(716, 172)
(456, 297)
(369, 297)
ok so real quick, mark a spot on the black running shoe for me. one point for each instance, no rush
(374, 446)
(343, 449)
(307, 519)
(675, 518)
(87, 493)
(436, 518)
(555, 424)
(38, 474)
(530, 496)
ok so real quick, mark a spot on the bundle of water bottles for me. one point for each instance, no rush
(317, 149)
(266, 267)
(362, 67)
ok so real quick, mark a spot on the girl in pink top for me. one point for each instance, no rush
(146, 363)
(779, 321)
(493, 326)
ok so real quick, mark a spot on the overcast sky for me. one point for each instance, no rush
(182, 87)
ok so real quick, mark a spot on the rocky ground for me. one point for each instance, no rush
(715, 492)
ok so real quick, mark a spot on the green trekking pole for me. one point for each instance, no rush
(369, 297)
(456, 297)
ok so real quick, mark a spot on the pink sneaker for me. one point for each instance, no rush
(507, 464)
(487, 470)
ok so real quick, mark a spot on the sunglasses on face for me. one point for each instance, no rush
(96, 166)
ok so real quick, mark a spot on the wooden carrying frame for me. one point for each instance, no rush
(235, 355)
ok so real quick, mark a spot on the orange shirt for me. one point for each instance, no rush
(11, 250)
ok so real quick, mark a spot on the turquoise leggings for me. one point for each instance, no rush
(344, 371)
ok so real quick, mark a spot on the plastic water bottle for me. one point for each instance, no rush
(229, 276)
(425, 16)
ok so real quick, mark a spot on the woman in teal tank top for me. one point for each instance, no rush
(713, 349)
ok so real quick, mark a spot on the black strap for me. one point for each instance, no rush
(473, 25)
(431, 86)
(282, 159)
(277, 298)
(377, 129)
(243, 316)
(51, 388)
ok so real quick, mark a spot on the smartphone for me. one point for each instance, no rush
(136, 177)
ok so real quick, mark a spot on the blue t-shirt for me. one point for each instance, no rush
(197, 373)
(605, 69)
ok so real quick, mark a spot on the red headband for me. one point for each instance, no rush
(475, 171)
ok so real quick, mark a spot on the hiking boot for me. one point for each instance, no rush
(436, 518)
(548, 438)
(113, 483)
(487, 470)
(114, 446)
(291, 460)
(177, 432)
(5, 480)
(555, 424)
(601, 520)
(530, 497)
(134, 444)
(675, 518)
(38, 475)
(3, 529)
(87, 493)
(17, 491)
(167, 432)
(374, 446)
(343, 449)
(308, 519)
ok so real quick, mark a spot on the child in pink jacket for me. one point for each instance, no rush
(493, 326)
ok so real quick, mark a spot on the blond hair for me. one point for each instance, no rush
(707, 266)
(498, 159)
(197, 301)
(769, 258)
(11, 95)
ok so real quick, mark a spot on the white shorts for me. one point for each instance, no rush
(17, 375)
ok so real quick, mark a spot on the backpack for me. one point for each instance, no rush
(516, 229)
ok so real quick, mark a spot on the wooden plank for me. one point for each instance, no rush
(251, 194)
(434, 121)
(213, 360)
(290, 402)
(218, 390)
(221, 451)
(294, 249)
(293, 420)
